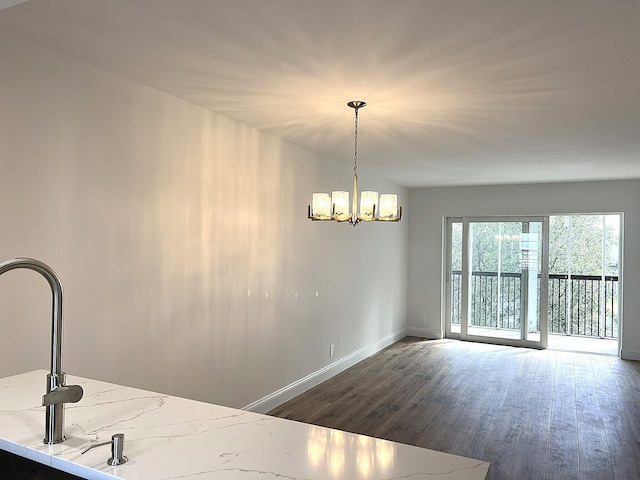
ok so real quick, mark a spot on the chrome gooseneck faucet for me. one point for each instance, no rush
(57, 393)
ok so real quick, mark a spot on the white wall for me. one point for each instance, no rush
(181, 239)
(431, 205)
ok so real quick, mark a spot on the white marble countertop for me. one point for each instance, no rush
(169, 438)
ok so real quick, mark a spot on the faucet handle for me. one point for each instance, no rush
(117, 449)
(63, 394)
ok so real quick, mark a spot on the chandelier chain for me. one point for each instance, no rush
(355, 145)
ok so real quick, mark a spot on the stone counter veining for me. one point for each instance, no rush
(174, 438)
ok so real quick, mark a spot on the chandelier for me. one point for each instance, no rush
(373, 208)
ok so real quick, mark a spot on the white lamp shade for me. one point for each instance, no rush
(368, 204)
(321, 206)
(340, 201)
(388, 206)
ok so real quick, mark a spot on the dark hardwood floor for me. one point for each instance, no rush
(534, 414)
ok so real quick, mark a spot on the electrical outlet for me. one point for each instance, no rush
(331, 350)
(421, 319)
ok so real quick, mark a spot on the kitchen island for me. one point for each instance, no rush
(168, 437)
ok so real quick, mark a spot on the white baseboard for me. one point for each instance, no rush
(630, 354)
(424, 333)
(294, 389)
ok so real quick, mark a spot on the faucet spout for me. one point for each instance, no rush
(57, 393)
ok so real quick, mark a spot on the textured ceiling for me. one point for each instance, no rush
(459, 92)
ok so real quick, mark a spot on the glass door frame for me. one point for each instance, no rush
(447, 279)
(466, 281)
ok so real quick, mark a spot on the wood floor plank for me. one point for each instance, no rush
(622, 442)
(532, 414)
(474, 440)
(563, 460)
(501, 464)
(563, 414)
(409, 424)
(626, 468)
(543, 384)
(537, 422)
(593, 451)
(340, 415)
(378, 421)
(303, 408)
(530, 462)
(632, 408)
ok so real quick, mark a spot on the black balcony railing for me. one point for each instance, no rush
(578, 304)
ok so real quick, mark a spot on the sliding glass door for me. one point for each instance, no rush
(497, 280)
